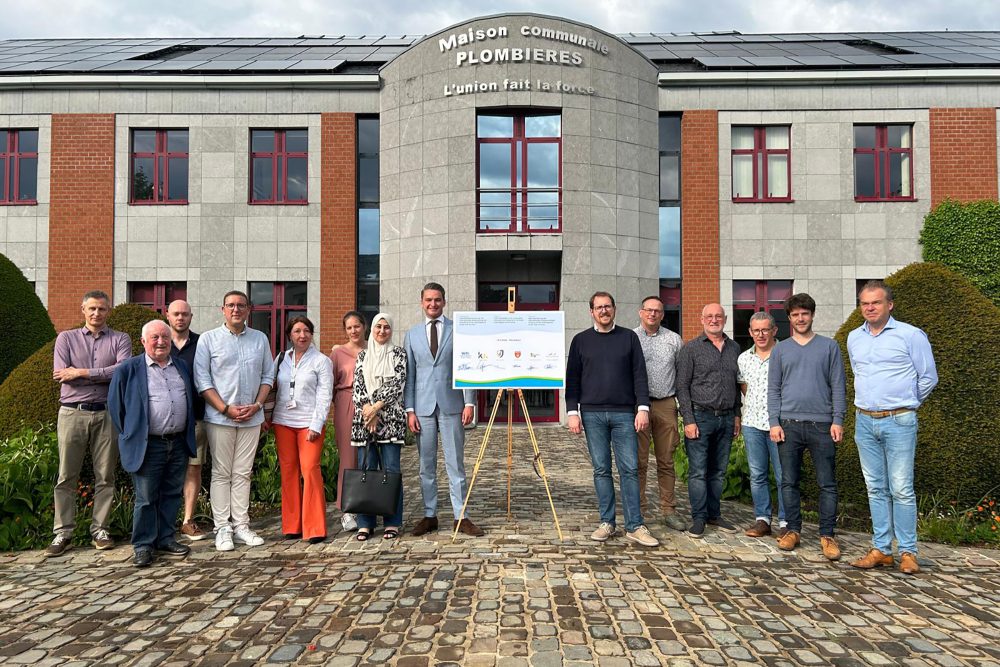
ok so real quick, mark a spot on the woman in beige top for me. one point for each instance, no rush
(343, 358)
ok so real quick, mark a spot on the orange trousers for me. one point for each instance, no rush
(303, 503)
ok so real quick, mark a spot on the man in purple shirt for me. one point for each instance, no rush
(83, 362)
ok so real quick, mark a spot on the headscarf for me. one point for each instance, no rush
(378, 365)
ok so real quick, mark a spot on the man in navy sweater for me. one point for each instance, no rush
(806, 402)
(607, 396)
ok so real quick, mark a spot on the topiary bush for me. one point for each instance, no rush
(29, 397)
(23, 318)
(957, 454)
(966, 238)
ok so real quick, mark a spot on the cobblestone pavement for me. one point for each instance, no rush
(517, 596)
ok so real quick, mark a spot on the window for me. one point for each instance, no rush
(156, 295)
(883, 162)
(159, 171)
(278, 166)
(670, 220)
(519, 163)
(19, 166)
(368, 217)
(751, 296)
(271, 306)
(761, 163)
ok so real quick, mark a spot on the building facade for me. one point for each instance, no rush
(324, 174)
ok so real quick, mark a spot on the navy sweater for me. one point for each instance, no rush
(606, 372)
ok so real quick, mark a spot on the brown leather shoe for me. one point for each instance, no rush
(788, 541)
(908, 563)
(425, 525)
(830, 548)
(874, 558)
(466, 526)
(782, 532)
(759, 529)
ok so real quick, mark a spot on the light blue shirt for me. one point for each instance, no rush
(893, 369)
(167, 398)
(235, 365)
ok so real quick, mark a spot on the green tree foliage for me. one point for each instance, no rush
(966, 238)
(30, 397)
(957, 454)
(23, 318)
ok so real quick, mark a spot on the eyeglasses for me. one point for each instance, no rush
(235, 306)
(607, 307)
(759, 332)
(652, 311)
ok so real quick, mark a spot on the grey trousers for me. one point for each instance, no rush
(76, 430)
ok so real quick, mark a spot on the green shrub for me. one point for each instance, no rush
(23, 318)
(957, 454)
(966, 238)
(29, 397)
(29, 464)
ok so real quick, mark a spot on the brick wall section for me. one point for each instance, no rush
(81, 213)
(338, 226)
(699, 216)
(963, 154)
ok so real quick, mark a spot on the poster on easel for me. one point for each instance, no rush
(498, 350)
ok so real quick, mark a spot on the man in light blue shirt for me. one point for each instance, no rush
(894, 373)
(233, 371)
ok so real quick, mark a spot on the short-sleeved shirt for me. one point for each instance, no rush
(660, 351)
(753, 373)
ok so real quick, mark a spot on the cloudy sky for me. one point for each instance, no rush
(281, 18)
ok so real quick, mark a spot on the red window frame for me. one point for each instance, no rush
(278, 310)
(520, 222)
(162, 294)
(161, 158)
(883, 153)
(279, 165)
(759, 154)
(769, 296)
(10, 168)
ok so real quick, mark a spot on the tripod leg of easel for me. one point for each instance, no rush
(479, 460)
(538, 458)
(510, 444)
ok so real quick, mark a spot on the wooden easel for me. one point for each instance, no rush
(536, 460)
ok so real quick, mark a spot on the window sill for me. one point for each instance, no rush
(31, 202)
(784, 200)
(869, 200)
(159, 203)
(277, 203)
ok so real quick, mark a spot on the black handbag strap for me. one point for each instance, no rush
(371, 447)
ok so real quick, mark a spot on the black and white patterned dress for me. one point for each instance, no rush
(392, 420)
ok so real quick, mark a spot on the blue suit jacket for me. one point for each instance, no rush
(128, 404)
(428, 379)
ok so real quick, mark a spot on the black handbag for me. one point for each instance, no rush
(371, 491)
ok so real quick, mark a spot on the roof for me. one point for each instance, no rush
(719, 51)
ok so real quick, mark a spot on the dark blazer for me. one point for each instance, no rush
(128, 404)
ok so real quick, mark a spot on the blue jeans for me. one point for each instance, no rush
(762, 453)
(158, 484)
(814, 436)
(390, 462)
(708, 458)
(604, 431)
(887, 447)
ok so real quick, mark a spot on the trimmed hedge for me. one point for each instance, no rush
(25, 322)
(29, 397)
(957, 454)
(966, 238)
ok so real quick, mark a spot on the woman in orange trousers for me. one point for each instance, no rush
(304, 390)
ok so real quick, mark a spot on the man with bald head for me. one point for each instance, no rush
(709, 397)
(184, 343)
(150, 404)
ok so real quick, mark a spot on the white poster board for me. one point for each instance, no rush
(499, 350)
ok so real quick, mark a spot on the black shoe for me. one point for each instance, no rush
(174, 549)
(722, 525)
(317, 539)
(142, 558)
(293, 536)
(697, 528)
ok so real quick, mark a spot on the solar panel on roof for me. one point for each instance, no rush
(713, 61)
(179, 65)
(820, 61)
(129, 66)
(326, 65)
(769, 61)
(270, 65)
(280, 42)
(222, 65)
(244, 42)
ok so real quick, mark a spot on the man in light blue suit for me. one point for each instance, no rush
(150, 405)
(433, 407)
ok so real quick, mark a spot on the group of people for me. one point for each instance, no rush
(624, 389)
(186, 394)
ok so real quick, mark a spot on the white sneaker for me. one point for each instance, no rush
(247, 536)
(642, 536)
(349, 521)
(224, 539)
(603, 532)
